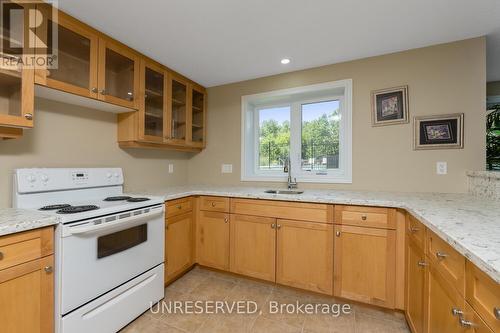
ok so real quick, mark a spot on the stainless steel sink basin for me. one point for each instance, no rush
(284, 191)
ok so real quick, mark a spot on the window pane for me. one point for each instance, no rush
(320, 136)
(274, 137)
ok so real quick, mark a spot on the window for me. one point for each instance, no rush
(308, 126)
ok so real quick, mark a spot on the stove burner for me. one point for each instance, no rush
(54, 207)
(138, 199)
(77, 209)
(117, 198)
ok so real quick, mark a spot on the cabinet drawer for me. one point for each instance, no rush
(215, 204)
(447, 261)
(25, 246)
(178, 207)
(284, 210)
(416, 231)
(375, 217)
(483, 294)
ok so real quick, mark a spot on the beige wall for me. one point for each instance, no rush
(442, 79)
(493, 88)
(69, 136)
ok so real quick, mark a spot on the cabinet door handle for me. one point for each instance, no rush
(178, 206)
(213, 204)
(278, 226)
(28, 116)
(226, 220)
(457, 312)
(273, 226)
(422, 263)
(465, 323)
(496, 312)
(363, 217)
(337, 234)
(94, 90)
(1, 255)
(441, 255)
(48, 269)
(103, 91)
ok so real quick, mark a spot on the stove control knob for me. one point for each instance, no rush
(109, 175)
(116, 175)
(31, 178)
(44, 178)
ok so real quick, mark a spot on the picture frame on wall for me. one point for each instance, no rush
(439, 132)
(390, 106)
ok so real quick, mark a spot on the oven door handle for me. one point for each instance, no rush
(124, 222)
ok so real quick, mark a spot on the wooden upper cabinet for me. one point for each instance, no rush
(77, 53)
(16, 82)
(118, 74)
(364, 264)
(196, 117)
(153, 103)
(178, 104)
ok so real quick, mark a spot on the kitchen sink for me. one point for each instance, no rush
(284, 191)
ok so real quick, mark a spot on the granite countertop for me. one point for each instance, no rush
(14, 220)
(469, 224)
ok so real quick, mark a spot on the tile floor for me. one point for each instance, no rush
(206, 285)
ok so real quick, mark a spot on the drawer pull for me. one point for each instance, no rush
(48, 269)
(496, 312)
(226, 220)
(363, 217)
(457, 312)
(178, 206)
(213, 204)
(412, 229)
(1, 255)
(441, 255)
(465, 323)
(422, 263)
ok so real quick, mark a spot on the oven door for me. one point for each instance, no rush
(102, 254)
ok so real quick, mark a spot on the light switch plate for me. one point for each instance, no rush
(441, 168)
(170, 168)
(227, 168)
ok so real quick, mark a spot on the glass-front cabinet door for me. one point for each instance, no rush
(153, 109)
(16, 80)
(75, 70)
(178, 103)
(118, 80)
(197, 116)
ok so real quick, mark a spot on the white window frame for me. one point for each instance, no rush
(251, 104)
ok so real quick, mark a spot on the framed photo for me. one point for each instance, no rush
(439, 132)
(390, 106)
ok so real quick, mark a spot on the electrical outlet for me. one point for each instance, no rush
(441, 168)
(170, 168)
(227, 168)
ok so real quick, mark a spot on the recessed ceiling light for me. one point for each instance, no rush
(285, 61)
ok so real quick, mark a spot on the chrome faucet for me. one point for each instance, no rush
(288, 168)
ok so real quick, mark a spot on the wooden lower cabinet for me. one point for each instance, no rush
(27, 297)
(365, 260)
(415, 287)
(443, 299)
(212, 240)
(304, 255)
(178, 245)
(473, 323)
(253, 244)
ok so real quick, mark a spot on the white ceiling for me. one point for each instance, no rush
(215, 42)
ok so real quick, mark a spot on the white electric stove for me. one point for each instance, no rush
(108, 245)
